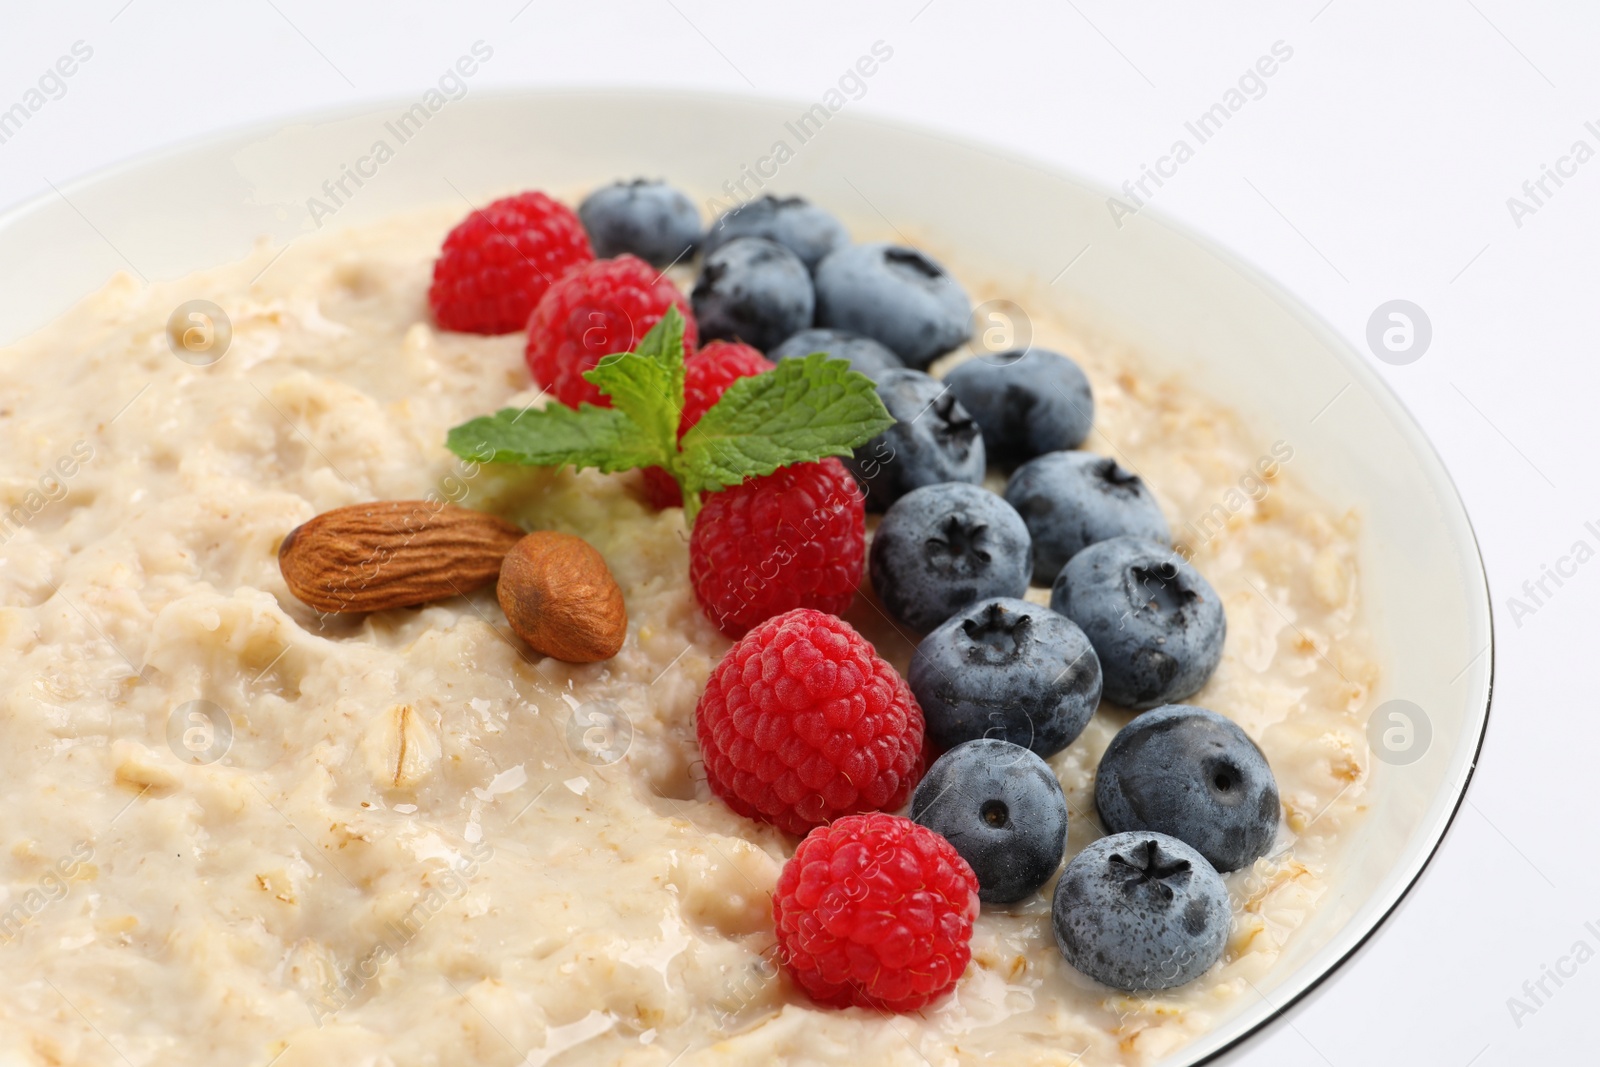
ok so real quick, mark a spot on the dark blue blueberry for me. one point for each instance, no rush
(1141, 911)
(933, 440)
(864, 354)
(794, 222)
(752, 290)
(1156, 624)
(1027, 401)
(943, 547)
(1194, 774)
(1070, 500)
(1003, 810)
(648, 219)
(894, 295)
(1007, 669)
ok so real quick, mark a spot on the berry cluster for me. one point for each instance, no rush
(802, 724)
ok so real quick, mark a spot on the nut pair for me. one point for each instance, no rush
(556, 590)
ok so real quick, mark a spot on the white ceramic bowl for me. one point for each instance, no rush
(1186, 303)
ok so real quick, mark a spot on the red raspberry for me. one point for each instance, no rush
(875, 911)
(602, 307)
(802, 722)
(498, 262)
(706, 376)
(795, 538)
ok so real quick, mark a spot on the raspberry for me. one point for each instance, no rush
(795, 538)
(875, 911)
(802, 722)
(498, 262)
(602, 307)
(705, 377)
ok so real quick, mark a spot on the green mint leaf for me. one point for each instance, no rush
(802, 411)
(665, 339)
(603, 438)
(647, 383)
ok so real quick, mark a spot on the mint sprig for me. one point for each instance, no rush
(588, 437)
(800, 412)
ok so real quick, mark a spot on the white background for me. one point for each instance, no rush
(1376, 166)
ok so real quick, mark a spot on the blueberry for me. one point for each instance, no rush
(1155, 623)
(1141, 911)
(1194, 774)
(1070, 500)
(648, 219)
(794, 222)
(1027, 401)
(1003, 810)
(943, 547)
(894, 295)
(752, 290)
(1005, 668)
(933, 440)
(865, 354)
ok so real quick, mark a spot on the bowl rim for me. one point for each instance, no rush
(1299, 309)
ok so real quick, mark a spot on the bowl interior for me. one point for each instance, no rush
(1189, 306)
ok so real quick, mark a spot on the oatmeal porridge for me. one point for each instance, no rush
(240, 831)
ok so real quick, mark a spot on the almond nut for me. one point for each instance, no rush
(393, 554)
(559, 597)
